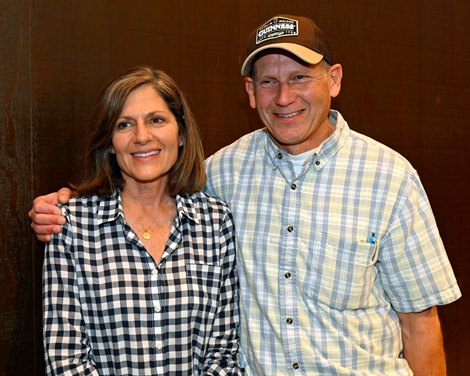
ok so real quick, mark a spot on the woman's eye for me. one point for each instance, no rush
(156, 121)
(123, 125)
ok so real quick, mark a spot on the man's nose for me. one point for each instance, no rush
(285, 94)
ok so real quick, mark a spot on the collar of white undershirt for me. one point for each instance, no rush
(298, 160)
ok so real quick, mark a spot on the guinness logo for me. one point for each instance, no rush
(276, 28)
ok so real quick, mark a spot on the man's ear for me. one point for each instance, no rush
(336, 74)
(250, 89)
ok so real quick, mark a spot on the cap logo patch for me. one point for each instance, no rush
(276, 28)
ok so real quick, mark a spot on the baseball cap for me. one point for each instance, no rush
(295, 34)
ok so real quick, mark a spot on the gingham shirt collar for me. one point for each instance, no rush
(109, 211)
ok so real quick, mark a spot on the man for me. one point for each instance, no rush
(341, 263)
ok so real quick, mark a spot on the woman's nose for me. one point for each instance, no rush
(142, 134)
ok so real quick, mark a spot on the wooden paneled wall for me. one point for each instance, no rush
(407, 84)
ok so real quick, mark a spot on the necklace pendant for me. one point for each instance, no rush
(146, 235)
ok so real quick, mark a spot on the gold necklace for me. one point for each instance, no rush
(146, 234)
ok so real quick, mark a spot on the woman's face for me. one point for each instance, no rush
(145, 138)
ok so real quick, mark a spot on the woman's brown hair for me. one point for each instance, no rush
(103, 175)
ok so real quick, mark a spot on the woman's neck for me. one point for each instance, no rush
(148, 197)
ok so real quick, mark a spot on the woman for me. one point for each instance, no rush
(142, 279)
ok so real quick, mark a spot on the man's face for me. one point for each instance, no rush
(293, 99)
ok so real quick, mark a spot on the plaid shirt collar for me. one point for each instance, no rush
(321, 155)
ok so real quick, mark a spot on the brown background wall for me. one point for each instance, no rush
(407, 84)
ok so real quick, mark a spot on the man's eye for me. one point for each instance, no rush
(267, 83)
(299, 79)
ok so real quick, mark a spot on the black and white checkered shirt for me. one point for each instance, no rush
(110, 310)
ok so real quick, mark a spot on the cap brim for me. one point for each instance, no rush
(303, 53)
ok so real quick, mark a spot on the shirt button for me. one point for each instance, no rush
(293, 187)
(295, 366)
(289, 320)
(159, 345)
(287, 275)
(154, 275)
(157, 309)
(290, 228)
(317, 163)
(279, 155)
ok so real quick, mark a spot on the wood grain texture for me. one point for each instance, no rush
(406, 83)
(17, 332)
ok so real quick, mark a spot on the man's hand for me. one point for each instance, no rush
(46, 217)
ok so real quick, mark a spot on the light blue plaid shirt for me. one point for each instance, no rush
(327, 257)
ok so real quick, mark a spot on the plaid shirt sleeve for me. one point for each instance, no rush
(221, 356)
(415, 269)
(65, 343)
